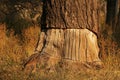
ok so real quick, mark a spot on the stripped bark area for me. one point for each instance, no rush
(75, 45)
(69, 32)
(81, 45)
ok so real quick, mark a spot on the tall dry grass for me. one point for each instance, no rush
(13, 54)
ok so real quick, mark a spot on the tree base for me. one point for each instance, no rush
(55, 45)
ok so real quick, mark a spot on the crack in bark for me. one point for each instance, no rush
(62, 15)
(87, 10)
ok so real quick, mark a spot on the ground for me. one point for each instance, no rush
(13, 53)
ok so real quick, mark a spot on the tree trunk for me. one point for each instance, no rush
(70, 14)
(112, 11)
(117, 29)
(113, 18)
(69, 32)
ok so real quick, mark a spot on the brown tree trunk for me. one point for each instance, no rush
(113, 19)
(78, 14)
(112, 11)
(69, 32)
(117, 29)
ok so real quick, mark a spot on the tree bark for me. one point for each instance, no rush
(69, 32)
(78, 14)
(117, 29)
(113, 18)
(112, 11)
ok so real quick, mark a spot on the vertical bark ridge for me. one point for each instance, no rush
(86, 13)
(73, 46)
(76, 43)
(70, 47)
(67, 45)
(79, 46)
(82, 47)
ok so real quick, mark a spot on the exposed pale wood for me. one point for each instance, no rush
(78, 44)
(69, 29)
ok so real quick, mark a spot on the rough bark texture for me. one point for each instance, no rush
(75, 14)
(68, 32)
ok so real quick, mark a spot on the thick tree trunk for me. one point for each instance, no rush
(78, 14)
(117, 29)
(112, 12)
(69, 29)
(113, 18)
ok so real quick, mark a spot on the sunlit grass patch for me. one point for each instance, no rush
(13, 54)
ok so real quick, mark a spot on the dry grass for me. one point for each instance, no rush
(13, 54)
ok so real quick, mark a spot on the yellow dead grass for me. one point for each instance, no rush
(13, 54)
